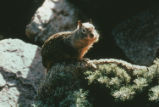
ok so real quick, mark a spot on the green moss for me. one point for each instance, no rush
(76, 99)
(124, 93)
(109, 74)
(154, 94)
(140, 83)
(75, 85)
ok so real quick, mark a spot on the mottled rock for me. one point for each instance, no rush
(9, 97)
(21, 70)
(2, 81)
(138, 37)
(52, 17)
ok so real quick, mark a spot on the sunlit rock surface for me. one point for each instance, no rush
(52, 17)
(20, 72)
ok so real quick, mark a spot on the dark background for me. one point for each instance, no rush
(106, 14)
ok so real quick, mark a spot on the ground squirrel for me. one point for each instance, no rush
(69, 45)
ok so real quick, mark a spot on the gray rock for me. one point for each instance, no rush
(138, 37)
(2, 81)
(9, 97)
(21, 70)
(52, 17)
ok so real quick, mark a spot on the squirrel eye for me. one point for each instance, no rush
(84, 30)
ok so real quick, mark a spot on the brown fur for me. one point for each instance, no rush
(84, 50)
(66, 46)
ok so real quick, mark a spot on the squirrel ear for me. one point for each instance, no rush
(79, 23)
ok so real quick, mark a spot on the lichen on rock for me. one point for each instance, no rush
(114, 82)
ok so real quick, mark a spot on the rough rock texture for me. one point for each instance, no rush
(20, 72)
(115, 83)
(52, 17)
(138, 37)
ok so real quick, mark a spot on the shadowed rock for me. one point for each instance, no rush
(138, 37)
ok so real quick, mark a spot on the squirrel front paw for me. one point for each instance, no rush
(89, 63)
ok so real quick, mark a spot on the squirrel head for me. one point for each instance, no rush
(87, 31)
(84, 36)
